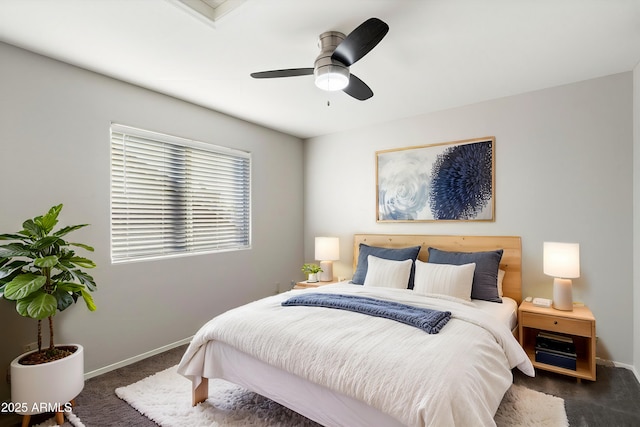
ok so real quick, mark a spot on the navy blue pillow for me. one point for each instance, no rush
(400, 254)
(485, 278)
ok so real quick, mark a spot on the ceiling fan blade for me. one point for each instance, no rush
(358, 89)
(291, 72)
(360, 41)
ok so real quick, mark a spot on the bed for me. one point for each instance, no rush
(341, 368)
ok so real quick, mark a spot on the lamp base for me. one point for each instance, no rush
(326, 275)
(562, 294)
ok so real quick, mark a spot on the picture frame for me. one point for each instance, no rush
(448, 181)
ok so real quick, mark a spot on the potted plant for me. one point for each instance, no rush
(312, 270)
(41, 272)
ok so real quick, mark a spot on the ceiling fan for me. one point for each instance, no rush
(337, 53)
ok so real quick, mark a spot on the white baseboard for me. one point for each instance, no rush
(134, 359)
(167, 347)
(629, 367)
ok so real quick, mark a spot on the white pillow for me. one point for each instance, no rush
(501, 273)
(444, 279)
(387, 273)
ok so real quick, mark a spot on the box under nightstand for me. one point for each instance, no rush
(579, 324)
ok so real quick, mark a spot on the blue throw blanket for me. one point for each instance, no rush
(430, 321)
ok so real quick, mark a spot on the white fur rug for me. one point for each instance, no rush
(165, 398)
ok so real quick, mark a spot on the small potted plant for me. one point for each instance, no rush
(312, 270)
(41, 272)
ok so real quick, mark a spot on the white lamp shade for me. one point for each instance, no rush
(327, 251)
(562, 259)
(327, 248)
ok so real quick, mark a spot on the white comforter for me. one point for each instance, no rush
(456, 377)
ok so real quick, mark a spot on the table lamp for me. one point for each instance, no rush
(562, 262)
(327, 251)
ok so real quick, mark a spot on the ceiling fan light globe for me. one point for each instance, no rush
(332, 78)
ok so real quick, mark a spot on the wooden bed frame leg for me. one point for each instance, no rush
(201, 392)
(26, 419)
(59, 418)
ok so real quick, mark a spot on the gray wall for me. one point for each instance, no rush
(563, 173)
(636, 219)
(54, 139)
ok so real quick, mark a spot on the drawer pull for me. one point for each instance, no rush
(555, 322)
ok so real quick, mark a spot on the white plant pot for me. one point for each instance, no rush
(313, 277)
(41, 388)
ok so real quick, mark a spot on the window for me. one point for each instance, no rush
(172, 196)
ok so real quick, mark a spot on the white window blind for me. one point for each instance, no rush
(172, 196)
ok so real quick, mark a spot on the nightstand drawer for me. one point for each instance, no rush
(557, 324)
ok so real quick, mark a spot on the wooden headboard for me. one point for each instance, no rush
(511, 261)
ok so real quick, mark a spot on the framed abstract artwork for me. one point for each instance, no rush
(451, 181)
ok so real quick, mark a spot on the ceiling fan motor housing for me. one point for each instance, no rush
(330, 74)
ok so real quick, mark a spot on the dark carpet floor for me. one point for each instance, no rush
(613, 400)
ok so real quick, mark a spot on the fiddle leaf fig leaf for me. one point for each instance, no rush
(31, 229)
(22, 304)
(11, 237)
(23, 285)
(88, 299)
(45, 242)
(68, 229)
(42, 306)
(70, 287)
(84, 278)
(10, 269)
(83, 246)
(49, 220)
(63, 299)
(82, 262)
(15, 250)
(46, 262)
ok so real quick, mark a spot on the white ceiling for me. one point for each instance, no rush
(438, 54)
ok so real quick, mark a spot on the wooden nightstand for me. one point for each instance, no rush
(579, 324)
(305, 284)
